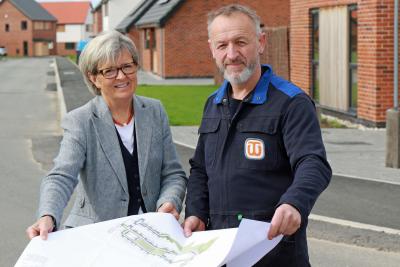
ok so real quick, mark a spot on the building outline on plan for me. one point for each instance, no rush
(152, 242)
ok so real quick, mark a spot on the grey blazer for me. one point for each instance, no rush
(90, 153)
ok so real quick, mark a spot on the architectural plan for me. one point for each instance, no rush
(151, 239)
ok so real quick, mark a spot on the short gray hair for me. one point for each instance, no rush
(105, 48)
(232, 9)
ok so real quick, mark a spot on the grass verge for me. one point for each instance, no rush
(183, 103)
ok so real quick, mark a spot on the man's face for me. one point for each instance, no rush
(235, 47)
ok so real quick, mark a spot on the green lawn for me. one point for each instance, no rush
(184, 103)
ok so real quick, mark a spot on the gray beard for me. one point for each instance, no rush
(243, 77)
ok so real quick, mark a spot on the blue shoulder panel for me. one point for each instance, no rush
(220, 92)
(285, 86)
(260, 91)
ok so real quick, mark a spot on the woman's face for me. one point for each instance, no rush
(117, 81)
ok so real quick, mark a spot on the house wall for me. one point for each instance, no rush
(158, 66)
(186, 52)
(134, 35)
(13, 40)
(375, 53)
(88, 27)
(117, 11)
(73, 34)
(47, 36)
(97, 22)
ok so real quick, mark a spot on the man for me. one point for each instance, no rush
(79, 48)
(260, 153)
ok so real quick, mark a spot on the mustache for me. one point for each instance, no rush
(236, 61)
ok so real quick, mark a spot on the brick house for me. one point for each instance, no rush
(74, 24)
(127, 25)
(114, 11)
(26, 29)
(341, 53)
(172, 34)
(97, 19)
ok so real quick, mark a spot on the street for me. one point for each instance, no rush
(29, 139)
(28, 120)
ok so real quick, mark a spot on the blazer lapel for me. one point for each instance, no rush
(143, 126)
(106, 133)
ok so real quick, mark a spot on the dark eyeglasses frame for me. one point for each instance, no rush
(117, 69)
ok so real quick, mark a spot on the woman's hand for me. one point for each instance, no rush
(41, 227)
(168, 207)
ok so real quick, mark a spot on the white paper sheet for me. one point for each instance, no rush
(151, 239)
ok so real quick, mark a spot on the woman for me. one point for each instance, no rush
(118, 143)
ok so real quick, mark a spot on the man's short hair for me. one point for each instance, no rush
(232, 9)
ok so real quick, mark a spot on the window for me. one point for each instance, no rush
(42, 25)
(353, 56)
(147, 38)
(334, 57)
(38, 25)
(48, 25)
(315, 54)
(7, 27)
(89, 27)
(60, 28)
(153, 38)
(24, 25)
(150, 38)
(70, 46)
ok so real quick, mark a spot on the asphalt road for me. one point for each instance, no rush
(28, 111)
(29, 138)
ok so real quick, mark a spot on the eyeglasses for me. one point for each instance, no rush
(112, 73)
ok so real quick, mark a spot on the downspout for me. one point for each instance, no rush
(162, 59)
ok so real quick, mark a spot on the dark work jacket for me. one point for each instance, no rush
(247, 164)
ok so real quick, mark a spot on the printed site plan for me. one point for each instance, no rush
(151, 239)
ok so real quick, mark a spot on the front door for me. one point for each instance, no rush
(25, 48)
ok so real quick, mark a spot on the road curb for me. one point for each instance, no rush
(380, 240)
(60, 91)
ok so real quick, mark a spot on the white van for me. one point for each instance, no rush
(3, 51)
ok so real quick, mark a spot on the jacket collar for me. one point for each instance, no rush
(257, 96)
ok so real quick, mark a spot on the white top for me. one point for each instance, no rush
(126, 134)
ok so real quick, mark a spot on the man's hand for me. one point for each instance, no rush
(286, 221)
(193, 224)
(41, 227)
(168, 207)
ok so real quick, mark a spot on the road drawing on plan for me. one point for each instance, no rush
(142, 235)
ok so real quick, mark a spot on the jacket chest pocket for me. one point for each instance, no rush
(259, 140)
(209, 133)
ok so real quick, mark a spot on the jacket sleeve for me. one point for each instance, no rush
(173, 178)
(305, 149)
(57, 187)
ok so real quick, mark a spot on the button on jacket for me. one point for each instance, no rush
(268, 153)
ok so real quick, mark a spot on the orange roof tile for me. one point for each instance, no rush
(68, 12)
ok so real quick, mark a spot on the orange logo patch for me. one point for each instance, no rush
(254, 148)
